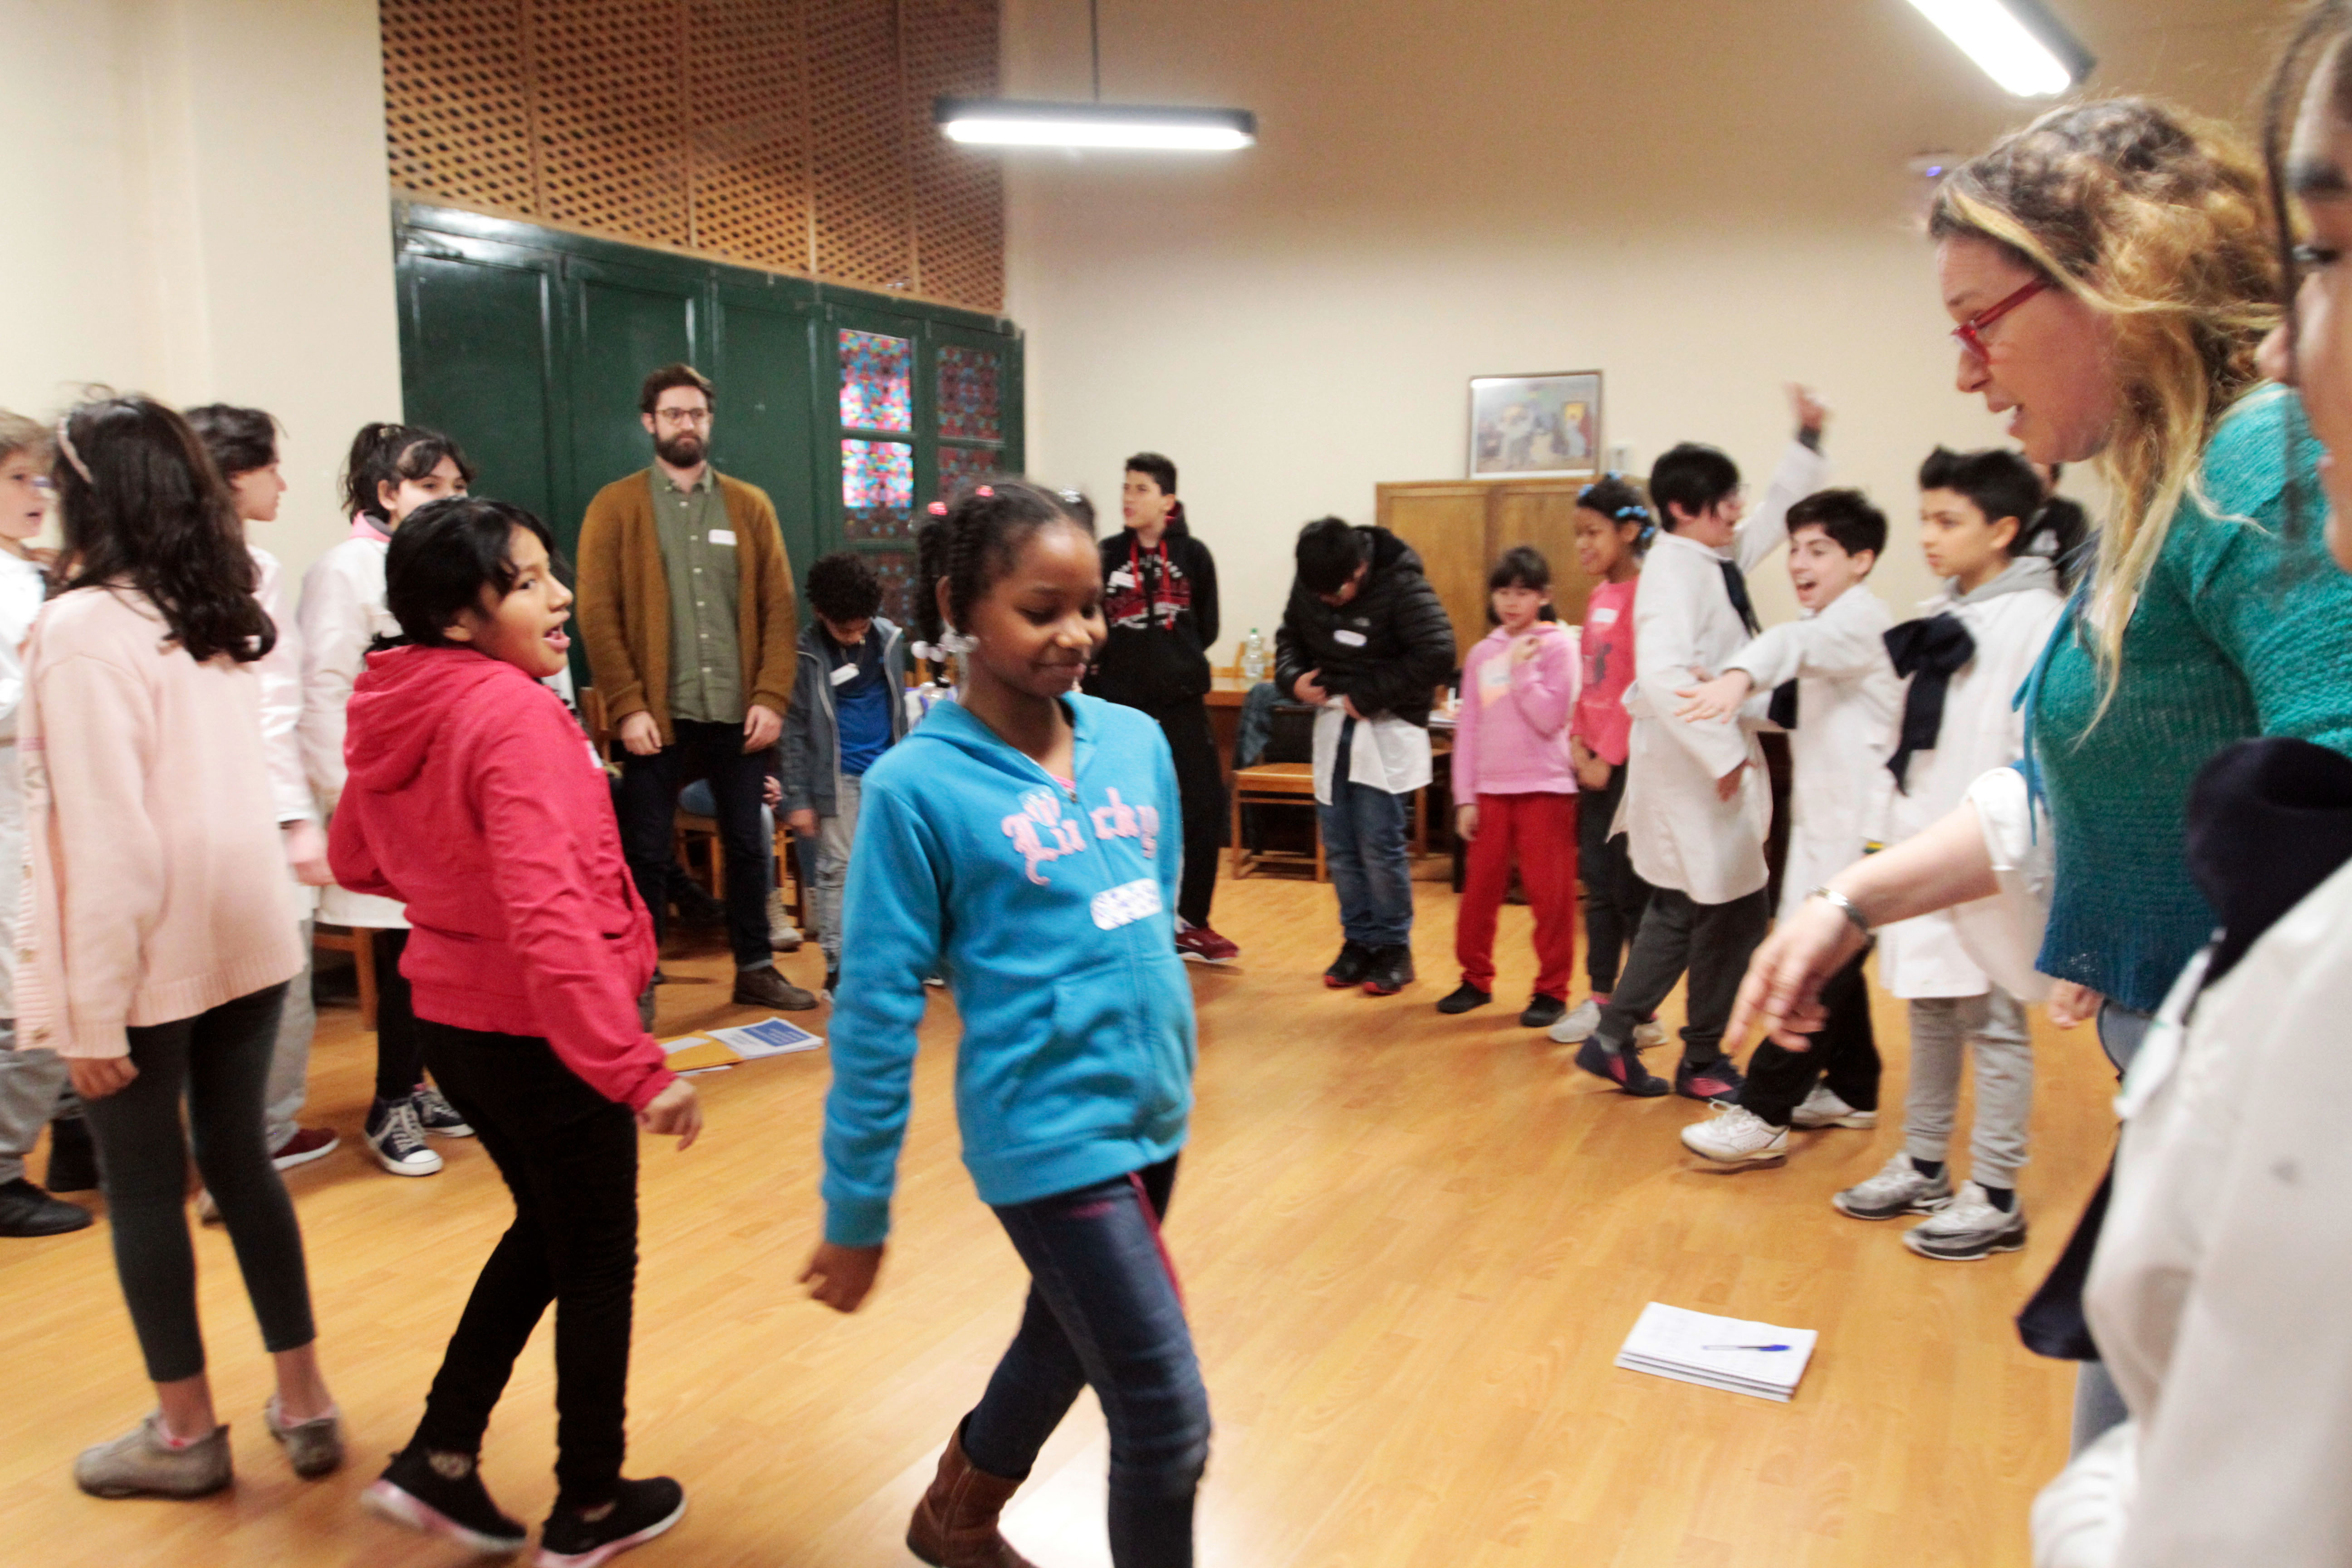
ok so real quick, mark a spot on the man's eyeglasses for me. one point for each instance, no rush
(682, 416)
(1970, 332)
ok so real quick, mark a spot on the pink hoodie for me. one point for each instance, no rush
(1511, 737)
(473, 799)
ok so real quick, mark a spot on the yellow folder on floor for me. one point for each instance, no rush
(695, 1051)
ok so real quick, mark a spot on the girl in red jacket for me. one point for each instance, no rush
(464, 770)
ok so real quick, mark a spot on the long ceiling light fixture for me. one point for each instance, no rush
(1029, 122)
(2019, 43)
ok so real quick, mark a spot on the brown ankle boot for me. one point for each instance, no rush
(955, 1524)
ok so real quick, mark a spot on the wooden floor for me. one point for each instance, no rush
(1412, 1246)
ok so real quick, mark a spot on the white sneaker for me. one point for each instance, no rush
(1897, 1189)
(1738, 1136)
(782, 935)
(1823, 1108)
(1578, 1026)
(398, 1141)
(1968, 1228)
(1653, 1033)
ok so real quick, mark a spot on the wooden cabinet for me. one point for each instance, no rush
(1461, 526)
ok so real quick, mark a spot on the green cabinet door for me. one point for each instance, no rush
(476, 361)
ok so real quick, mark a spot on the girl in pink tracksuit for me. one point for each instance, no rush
(1514, 787)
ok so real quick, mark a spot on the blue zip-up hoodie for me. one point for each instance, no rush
(1048, 909)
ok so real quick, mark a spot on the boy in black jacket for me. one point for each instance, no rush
(1159, 594)
(1365, 639)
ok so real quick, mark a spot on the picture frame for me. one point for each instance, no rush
(1536, 426)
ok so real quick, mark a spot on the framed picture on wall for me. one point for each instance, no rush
(1535, 426)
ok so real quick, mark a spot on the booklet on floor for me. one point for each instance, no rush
(1718, 1353)
(767, 1037)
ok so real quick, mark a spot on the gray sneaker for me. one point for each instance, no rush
(1898, 1190)
(1578, 1026)
(140, 1463)
(313, 1447)
(1968, 1228)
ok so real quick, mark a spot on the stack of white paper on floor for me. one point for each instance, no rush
(1718, 1353)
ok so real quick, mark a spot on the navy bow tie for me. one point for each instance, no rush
(1931, 651)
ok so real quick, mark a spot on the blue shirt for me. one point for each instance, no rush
(861, 704)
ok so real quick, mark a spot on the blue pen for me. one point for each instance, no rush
(1743, 1347)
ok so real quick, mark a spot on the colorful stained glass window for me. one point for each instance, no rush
(967, 410)
(896, 568)
(878, 490)
(962, 467)
(877, 381)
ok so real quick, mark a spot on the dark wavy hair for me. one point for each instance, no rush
(975, 544)
(240, 439)
(450, 556)
(842, 587)
(142, 505)
(386, 454)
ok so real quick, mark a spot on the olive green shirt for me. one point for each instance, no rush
(698, 557)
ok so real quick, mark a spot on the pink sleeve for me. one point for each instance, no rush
(1544, 687)
(1466, 731)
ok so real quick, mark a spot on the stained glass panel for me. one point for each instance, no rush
(968, 409)
(962, 467)
(877, 381)
(878, 490)
(896, 568)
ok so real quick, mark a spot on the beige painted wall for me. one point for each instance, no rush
(198, 209)
(1704, 198)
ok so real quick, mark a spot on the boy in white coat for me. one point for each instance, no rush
(1834, 689)
(1983, 525)
(1696, 805)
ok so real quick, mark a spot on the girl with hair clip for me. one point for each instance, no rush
(1027, 838)
(393, 470)
(161, 927)
(2110, 277)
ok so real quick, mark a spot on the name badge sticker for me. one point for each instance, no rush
(725, 536)
(1346, 638)
(1603, 616)
(1493, 681)
(844, 674)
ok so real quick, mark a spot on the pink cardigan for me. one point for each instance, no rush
(158, 886)
(1511, 736)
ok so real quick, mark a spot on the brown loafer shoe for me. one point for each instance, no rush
(764, 987)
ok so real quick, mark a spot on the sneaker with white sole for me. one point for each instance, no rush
(643, 1509)
(1898, 1189)
(396, 1139)
(1968, 1228)
(1824, 1109)
(1578, 1026)
(442, 1495)
(1738, 1136)
(782, 935)
(437, 1116)
(1650, 1034)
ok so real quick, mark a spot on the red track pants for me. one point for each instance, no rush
(1539, 832)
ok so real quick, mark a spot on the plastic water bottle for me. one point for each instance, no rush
(1253, 657)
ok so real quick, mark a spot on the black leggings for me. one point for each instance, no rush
(220, 1061)
(399, 1048)
(1615, 897)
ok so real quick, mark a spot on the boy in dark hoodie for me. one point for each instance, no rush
(1365, 639)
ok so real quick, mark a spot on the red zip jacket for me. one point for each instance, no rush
(473, 800)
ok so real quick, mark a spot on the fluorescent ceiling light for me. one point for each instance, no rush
(2019, 43)
(1015, 122)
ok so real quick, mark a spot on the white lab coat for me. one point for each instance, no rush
(22, 586)
(2009, 619)
(344, 611)
(1681, 835)
(280, 671)
(1849, 699)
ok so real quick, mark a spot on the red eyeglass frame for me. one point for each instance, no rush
(1969, 333)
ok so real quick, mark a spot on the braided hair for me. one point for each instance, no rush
(971, 544)
(1614, 497)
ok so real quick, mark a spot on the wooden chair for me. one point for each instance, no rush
(1275, 783)
(361, 945)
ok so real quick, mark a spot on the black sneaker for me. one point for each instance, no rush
(1355, 962)
(1716, 1081)
(1391, 971)
(1543, 1012)
(1465, 998)
(73, 1158)
(26, 1210)
(1621, 1065)
(442, 1495)
(832, 983)
(642, 1511)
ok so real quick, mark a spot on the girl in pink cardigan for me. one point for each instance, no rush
(1514, 787)
(160, 918)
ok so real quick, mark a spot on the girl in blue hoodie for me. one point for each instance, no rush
(1024, 839)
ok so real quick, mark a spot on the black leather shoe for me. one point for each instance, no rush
(1391, 971)
(26, 1210)
(1355, 962)
(1465, 996)
(1543, 1012)
(764, 987)
(73, 1158)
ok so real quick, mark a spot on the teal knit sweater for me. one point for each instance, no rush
(2244, 628)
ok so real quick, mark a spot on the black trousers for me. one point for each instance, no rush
(570, 1157)
(1615, 896)
(648, 803)
(399, 1048)
(1713, 942)
(1844, 1055)
(1201, 783)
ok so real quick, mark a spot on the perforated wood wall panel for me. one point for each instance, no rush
(787, 133)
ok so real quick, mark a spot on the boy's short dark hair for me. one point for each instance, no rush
(1693, 476)
(671, 375)
(1521, 566)
(842, 587)
(1846, 516)
(1329, 551)
(1997, 483)
(239, 440)
(445, 555)
(1158, 469)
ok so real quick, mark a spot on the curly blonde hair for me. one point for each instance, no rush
(2157, 220)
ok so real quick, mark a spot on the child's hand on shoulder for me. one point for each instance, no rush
(841, 1277)
(675, 1112)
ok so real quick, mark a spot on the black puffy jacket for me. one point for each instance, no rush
(1387, 647)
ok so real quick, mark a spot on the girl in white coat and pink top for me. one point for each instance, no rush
(1515, 788)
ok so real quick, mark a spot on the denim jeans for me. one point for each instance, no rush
(1364, 847)
(1104, 1310)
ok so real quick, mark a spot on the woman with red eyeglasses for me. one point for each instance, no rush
(2112, 276)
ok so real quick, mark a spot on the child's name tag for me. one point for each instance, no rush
(844, 674)
(1495, 680)
(725, 536)
(1601, 617)
(1346, 638)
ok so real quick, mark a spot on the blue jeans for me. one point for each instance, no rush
(1364, 846)
(1103, 1310)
